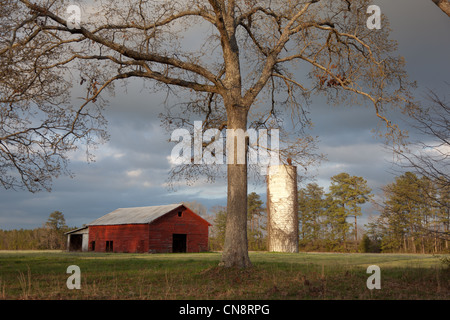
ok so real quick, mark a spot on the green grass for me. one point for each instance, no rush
(42, 275)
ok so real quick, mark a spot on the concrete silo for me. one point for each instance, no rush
(282, 208)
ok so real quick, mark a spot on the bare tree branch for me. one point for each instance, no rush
(444, 5)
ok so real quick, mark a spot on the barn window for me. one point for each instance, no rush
(180, 213)
(93, 245)
(109, 246)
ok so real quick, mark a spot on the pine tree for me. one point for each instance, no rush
(311, 214)
(255, 214)
(347, 193)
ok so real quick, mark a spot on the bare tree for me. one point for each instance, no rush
(38, 126)
(239, 63)
(429, 155)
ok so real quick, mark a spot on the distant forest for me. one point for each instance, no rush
(412, 216)
(48, 237)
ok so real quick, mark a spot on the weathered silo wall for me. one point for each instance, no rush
(282, 206)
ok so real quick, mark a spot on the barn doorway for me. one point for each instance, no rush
(179, 242)
(109, 246)
(76, 242)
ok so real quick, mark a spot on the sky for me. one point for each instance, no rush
(131, 169)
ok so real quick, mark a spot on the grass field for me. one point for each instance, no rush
(42, 275)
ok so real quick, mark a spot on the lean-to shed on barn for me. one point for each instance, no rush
(157, 229)
(78, 239)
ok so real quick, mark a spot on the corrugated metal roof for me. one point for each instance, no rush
(135, 215)
(75, 230)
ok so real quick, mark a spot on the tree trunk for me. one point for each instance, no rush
(235, 252)
(444, 5)
(423, 245)
(447, 229)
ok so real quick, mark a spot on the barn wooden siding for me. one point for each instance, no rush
(156, 236)
(125, 237)
(162, 229)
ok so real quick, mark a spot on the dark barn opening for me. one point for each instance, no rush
(76, 241)
(109, 246)
(179, 243)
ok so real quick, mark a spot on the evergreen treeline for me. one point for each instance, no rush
(414, 217)
(49, 236)
(329, 221)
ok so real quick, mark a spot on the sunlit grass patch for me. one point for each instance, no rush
(42, 275)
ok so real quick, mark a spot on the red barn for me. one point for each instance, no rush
(158, 229)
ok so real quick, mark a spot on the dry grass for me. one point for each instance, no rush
(42, 275)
